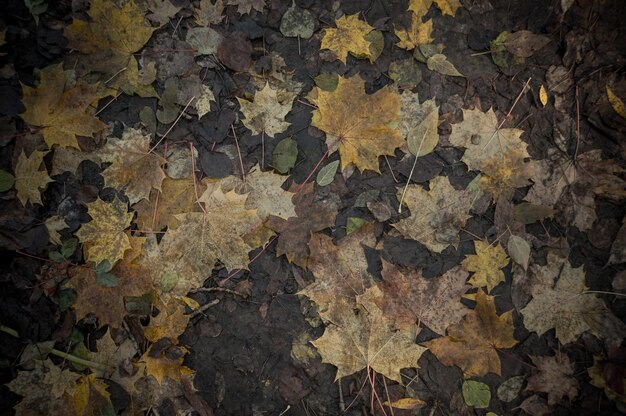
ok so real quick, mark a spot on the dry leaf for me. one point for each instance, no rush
(519, 250)
(357, 122)
(556, 377)
(209, 13)
(543, 95)
(409, 298)
(616, 102)
(64, 111)
(55, 224)
(161, 11)
(348, 37)
(436, 215)
(439, 63)
(486, 265)
(266, 114)
(105, 232)
(265, 194)
(161, 364)
(418, 124)
(472, 344)
(29, 180)
(524, 44)
(420, 33)
(170, 323)
(246, 6)
(91, 397)
(363, 337)
(134, 168)
(420, 7)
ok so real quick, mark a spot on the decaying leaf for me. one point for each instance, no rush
(408, 298)
(166, 362)
(266, 114)
(363, 337)
(92, 398)
(472, 344)
(134, 168)
(29, 180)
(420, 33)
(420, 7)
(555, 377)
(439, 63)
(482, 140)
(297, 22)
(63, 110)
(209, 13)
(436, 215)
(486, 265)
(170, 323)
(348, 37)
(246, 6)
(55, 224)
(418, 124)
(104, 235)
(519, 250)
(564, 306)
(357, 123)
(160, 11)
(616, 102)
(608, 373)
(524, 43)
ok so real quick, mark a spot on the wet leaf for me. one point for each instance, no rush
(170, 323)
(285, 155)
(472, 344)
(29, 180)
(353, 224)
(161, 11)
(265, 114)
(486, 265)
(266, 195)
(555, 377)
(439, 63)
(297, 22)
(406, 73)
(327, 174)
(357, 123)
(476, 394)
(348, 37)
(162, 365)
(527, 213)
(510, 388)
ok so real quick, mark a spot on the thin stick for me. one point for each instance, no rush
(262, 149)
(388, 397)
(172, 126)
(114, 75)
(236, 272)
(107, 104)
(317, 165)
(156, 202)
(219, 289)
(203, 308)
(243, 174)
(299, 51)
(342, 404)
(391, 170)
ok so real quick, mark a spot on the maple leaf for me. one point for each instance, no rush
(363, 337)
(209, 13)
(419, 33)
(105, 232)
(313, 216)
(348, 37)
(436, 215)
(472, 344)
(62, 110)
(246, 6)
(29, 180)
(505, 172)
(358, 122)
(161, 11)
(265, 114)
(556, 377)
(134, 169)
(170, 323)
(166, 362)
(340, 270)
(409, 298)
(91, 397)
(564, 306)
(486, 265)
(608, 373)
(479, 134)
(420, 7)
(112, 357)
(107, 43)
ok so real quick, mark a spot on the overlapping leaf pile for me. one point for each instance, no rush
(166, 230)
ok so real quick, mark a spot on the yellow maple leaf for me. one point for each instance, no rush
(61, 110)
(170, 323)
(348, 37)
(486, 265)
(420, 33)
(134, 169)
(266, 114)
(161, 365)
(363, 337)
(506, 172)
(107, 43)
(91, 397)
(420, 7)
(29, 180)
(105, 232)
(436, 215)
(357, 123)
(473, 343)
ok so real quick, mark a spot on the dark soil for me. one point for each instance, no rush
(242, 349)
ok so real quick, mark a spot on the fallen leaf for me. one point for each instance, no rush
(406, 403)
(510, 388)
(107, 44)
(162, 364)
(616, 102)
(340, 270)
(170, 323)
(112, 356)
(209, 13)
(409, 298)
(348, 37)
(503, 173)
(104, 234)
(519, 250)
(266, 195)
(406, 73)
(362, 337)
(420, 33)
(608, 373)
(285, 155)
(246, 6)
(420, 7)
(176, 196)
(472, 344)
(357, 123)
(134, 168)
(524, 43)
(476, 394)
(543, 95)
(618, 248)
(327, 174)
(62, 111)
(555, 377)
(535, 406)
(479, 134)
(436, 215)
(563, 305)
(439, 63)
(265, 114)
(55, 224)
(297, 22)
(418, 124)
(29, 180)
(486, 265)
(161, 11)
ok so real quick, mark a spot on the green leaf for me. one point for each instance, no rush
(56, 256)
(327, 82)
(285, 155)
(69, 247)
(528, 213)
(377, 44)
(168, 281)
(326, 175)
(102, 267)
(476, 394)
(106, 279)
(6, 181)
(354, 223)
(297, 22)
(65, 298)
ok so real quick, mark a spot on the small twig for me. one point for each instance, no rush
(108, 104)
(219, 289)
(243, 172)
(174, 124)
(391, 170)
(577, 125)
(203, 308)
(342, 404)
(114, 75)
(317, 165)
(388, 397)
(262, 149)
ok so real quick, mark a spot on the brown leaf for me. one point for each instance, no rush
(556, 377)
(246, 6)
(29, 180)
(235, 52)
(524, 43)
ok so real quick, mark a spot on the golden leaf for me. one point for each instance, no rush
(472, 344)
(357, 122)
(170, 323)
(420, 33)
(363, 337)
(105, 233)
(616, 102)
(543, 95)
(29, 180)
(266, 113)
(107, 43)
(62, 111)
(420, 7)
(348, 37)
(160, 365)
(436, 215)
(134, 169)
(486, 265)
(91, 397)
(506, 172)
